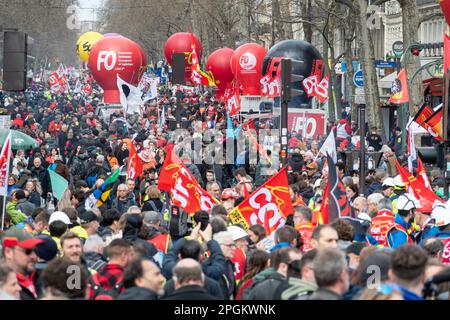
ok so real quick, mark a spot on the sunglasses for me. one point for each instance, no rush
(27, 251)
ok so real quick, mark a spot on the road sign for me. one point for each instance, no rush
(360, 97)
(358, 78)
(397, 48)
(384, 64)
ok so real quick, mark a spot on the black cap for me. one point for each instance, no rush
(47, 250)
(88, 216)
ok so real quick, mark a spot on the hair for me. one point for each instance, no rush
(133, 271)
(295, 189)
(72, 213)
(433, 246)
(191, 249)
(306, 212)
(42, 217)
(344, 229)
(219, 210)
(153, 193)
(285, 234)
(109, 216)
(117, 247)
(375, 197)
(307, 258)
(185, 273)
(259, 231)
(328, 266)
(79, 195)
(210, 184)
(93, 243)
(218, 224)
(57, 229)
(384, 204)
(69, 236)
(5, 270)
(38, 211)
(256, 263)
(408, 263)
(380, 175)
(280, 256)
(20, 194)
(221, 236)
(57, 275)
(318, 230)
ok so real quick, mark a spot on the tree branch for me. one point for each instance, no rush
(426, 17)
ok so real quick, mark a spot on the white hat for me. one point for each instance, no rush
(237, 232)
(441, 215)
(398, 181)
(317, 183)
(407, 202)
(59, 216)
(389, 182)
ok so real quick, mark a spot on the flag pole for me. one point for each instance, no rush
(8, 138)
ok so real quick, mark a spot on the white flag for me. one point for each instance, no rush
(78, 86)
(130, 96)
(329, 147)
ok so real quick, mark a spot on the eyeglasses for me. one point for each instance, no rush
(26, 251)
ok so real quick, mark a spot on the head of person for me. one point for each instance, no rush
(120, 252)
(256, 233)
(152, 219)
(144, 274)
(360, 204)
(372, 203)
(214, 189)
(210, 176)
(352, 191)
(111, 218)
(153, 193)
(188, 272)
(90, 222)
(95, 244)
(240, 237)
(344, 229)
(226, 242)
(388, 187)
(302, 214)
(134, 210)
(286, 234)
(434, 247)
(441, 216)
(257, 262)
(408, 265)
(40, 222)
(58, 274)
(406, 206)
(330, 270)
(282, 257)
(353, 254)
(423, 212)
(19, 252)
(306, 266)
(71, 247)
(293, 192)
(324, 236)
(122, 191)
(131, 184)
(8, 282)
(37, 162)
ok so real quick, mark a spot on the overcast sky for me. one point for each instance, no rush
(89, 14)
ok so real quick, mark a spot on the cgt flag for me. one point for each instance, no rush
(399, 89)
(434, 124)
(335, 203)
(445, 7)
(446, 50)
(268, 206)
(185, 191)
(423, 114)
(5, 157)
(135, 166)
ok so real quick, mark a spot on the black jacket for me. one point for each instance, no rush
(192, 292)
(266, 289)
(44, 178)
(325, 294)
(296, 162)
(26, 294)
(137, 293)
(227, 281)
(211, 286)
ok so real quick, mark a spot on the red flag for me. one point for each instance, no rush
(423, 114)
(135, 166)
(445, 7)
(232, 99)
(446, 51)
(185, 191)
(270, 85)
(268, 206)
(335, 203)
(434, 123)
(315, 88)
(416, 187)
(422, 174)
(5, 156)
(399, 89)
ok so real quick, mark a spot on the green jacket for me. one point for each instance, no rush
(298, 287)
(16, 215)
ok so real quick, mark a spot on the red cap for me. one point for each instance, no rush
(10, 242)
(425, 206)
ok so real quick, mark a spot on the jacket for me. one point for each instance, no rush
(296, 162)
(266, 288)
(227, 281)
(25, 206)
(137, 293)
(192, 292)
(325, 294)
(298, 289)
(122, 205)
(211, 286)
(44, 178)
(16, 215)
(94, 260)
(398, 234)
(29, 284)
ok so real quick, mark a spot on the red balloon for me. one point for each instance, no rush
(114, 56)
(246, 65)
(218, 64)
(111, 35)
(182, 42)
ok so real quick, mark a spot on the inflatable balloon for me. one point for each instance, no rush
(111, 35)
(218, 64)
(246, 64)
(297, 50)
(85, 44)
(114, 56)
(182, 42)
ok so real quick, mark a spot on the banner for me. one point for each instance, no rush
(335, 204)
(184, 189)
(232, 99)
(446, 50)
(422, 174)
(5, 157)
(198, 77)
(315, 88)
(270, 86)
(434, 124)
(423, 114)
(59, 184)
(268, 206)
(399, 89)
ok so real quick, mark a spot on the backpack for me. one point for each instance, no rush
(177, 224)
(91, 180)
(100, 291)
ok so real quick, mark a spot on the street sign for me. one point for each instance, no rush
(397, 48)
(384, 64)
(358, 78)
(360, 97)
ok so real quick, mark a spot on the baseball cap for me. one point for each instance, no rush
(237, 232)
(59, 216)
(87, 217)
(398, 182)
(312, 165)
(48, 249)
(229, 193)
(17, 237)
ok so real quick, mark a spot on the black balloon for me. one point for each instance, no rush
(296, 50)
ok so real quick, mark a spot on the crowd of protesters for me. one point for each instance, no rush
(137, 246)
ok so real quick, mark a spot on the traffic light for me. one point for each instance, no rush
(288, 90)
(433, 155)
(416, 49)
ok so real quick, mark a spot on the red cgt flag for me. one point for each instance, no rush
(445, 7)
(446, 51)
(434, 124)
(268, 206)
(422, 174)
(185, 191)
(135, 166)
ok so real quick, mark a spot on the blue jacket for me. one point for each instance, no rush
(396, 237)
(442, 234)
